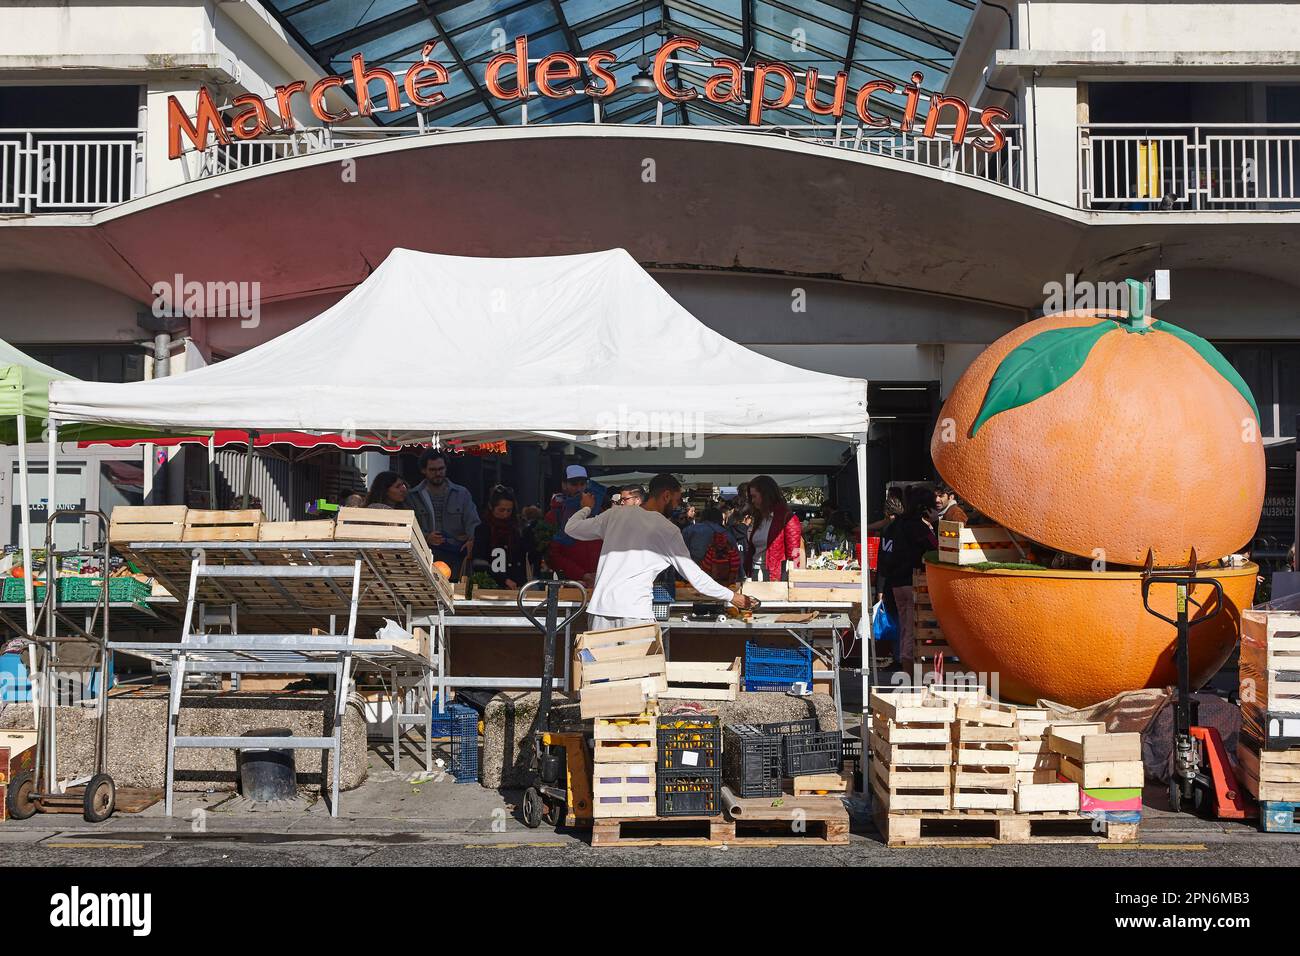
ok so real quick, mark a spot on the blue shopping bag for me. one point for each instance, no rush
(884, 627)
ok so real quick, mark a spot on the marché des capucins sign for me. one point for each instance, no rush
(775, 85)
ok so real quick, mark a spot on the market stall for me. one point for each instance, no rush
(569, 348)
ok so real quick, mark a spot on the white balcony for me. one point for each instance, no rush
(69, 170)
(1159, 167)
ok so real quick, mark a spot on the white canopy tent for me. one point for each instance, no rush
(434, 347)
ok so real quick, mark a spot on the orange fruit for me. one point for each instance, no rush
(1080, 637)
(443, 568)
(1152, 442)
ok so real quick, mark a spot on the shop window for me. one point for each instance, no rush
(93, 363)
(1272, 370)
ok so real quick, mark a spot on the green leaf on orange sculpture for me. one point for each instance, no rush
(1037, 366)
(1215, 359)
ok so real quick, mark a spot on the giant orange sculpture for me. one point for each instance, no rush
(1110, 436)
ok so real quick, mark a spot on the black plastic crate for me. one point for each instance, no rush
(807, 726)
(751, 761)
(689, 794)
(689, 743)
(821, 752)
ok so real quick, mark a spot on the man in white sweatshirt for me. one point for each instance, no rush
(638, 544)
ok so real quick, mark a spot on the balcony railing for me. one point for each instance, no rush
(1159, 166)
(1006, 167)
(69, 170)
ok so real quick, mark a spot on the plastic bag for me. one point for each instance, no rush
(883, 625)
(392, 631)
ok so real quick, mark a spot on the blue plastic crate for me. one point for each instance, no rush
(776, 668)
(460, 724)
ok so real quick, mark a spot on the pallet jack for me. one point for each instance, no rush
(1203, 781)
(38, 790)
(560, 791)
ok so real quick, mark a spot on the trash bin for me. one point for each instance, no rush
(267, 773)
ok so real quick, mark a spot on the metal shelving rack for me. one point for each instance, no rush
(277, 589)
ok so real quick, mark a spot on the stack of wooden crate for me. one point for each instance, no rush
(930, 642)
(1037, 785)
(985, 757)
(623, 767)
(910, 736)
(1094, 759)
(619, 672)
(1268, 748)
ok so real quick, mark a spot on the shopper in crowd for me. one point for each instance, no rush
(570, 557)
(637, 544)
(499, 548)
(699, 536)
(893, 509)
(532, 523)
(949, 509)
(355, 499)
(719, 557)
(388, 490)
(631, 495)
(776, 535)
(445, 511)
(901, 553)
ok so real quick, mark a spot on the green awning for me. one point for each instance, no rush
(25, 390)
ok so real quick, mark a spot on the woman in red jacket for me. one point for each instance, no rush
(776, 536)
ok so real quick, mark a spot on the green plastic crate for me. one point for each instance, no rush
(84, 590)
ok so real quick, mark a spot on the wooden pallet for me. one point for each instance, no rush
(985, 828)
(795, 821)
(1279, 816)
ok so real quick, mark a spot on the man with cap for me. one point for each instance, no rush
(637, 544)
(567, 556)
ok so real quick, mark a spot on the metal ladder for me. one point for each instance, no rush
(235, 654)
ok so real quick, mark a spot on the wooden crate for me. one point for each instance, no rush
(619, 671)
(622, 790)
(17, 756)
(959, 544)
(624, 740)
(1270, 776)
(820, 784)
(1047, 795)
(321, 529)
(809, 585)
(767, 590)
(147, 523)
(1095, 759)
(703, 680)
(239, 525)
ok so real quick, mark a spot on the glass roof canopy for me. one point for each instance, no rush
(880, 39)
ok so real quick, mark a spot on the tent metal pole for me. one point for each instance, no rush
(29, 588)
(212, 471)
(864, 621)
(51, 594)
(248, 467)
